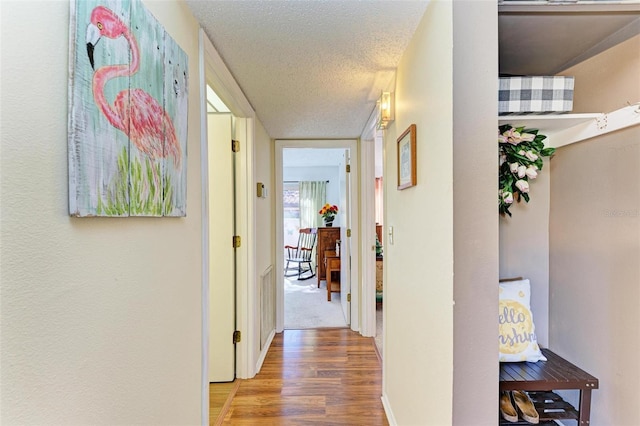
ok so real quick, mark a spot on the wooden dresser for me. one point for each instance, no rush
(327, 238)
(332, 265)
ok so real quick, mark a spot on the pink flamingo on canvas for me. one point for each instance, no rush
(136, 113)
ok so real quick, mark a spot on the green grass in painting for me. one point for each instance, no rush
(133, 190)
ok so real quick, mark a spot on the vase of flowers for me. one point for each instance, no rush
(328, 213)
(520, 154)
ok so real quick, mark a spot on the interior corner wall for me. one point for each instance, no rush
(475, 224)
(418, 295)
(101, 317)
(594, 303)
(524, 247)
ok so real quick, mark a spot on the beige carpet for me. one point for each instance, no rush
(306, 305)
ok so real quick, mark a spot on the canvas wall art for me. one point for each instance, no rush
(128, 107)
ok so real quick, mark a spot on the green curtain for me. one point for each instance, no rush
(313, 196)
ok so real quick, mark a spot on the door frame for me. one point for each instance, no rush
(352, 145)
(368, 240)
(213, 71)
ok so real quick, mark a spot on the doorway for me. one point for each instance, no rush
(311, 179)
(378, 204)
(222, 224)
(214, 73)
(305, 154)
(373, 235)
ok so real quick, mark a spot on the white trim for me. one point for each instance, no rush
(245, 277)
(221, 79)
(387, 410)
(279, 238)
(547, 123)
(354, 201)
(368, 240)
(555, 7)
(565, 129)
(603, 124)
(352, 145)
(368, 221)
(214, 72)
(369, 131)
(263, 354)
(253, 320)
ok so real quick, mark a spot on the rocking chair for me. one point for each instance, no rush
(301, 255)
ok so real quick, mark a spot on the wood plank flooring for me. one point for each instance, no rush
(313, 377)
(219, 398)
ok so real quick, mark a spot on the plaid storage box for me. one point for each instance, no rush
(535, 95)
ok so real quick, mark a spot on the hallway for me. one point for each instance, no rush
(330, 376)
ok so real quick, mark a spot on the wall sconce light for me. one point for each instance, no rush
(386, 110)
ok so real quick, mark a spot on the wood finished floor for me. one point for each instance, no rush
(219, 394)
(313, 377)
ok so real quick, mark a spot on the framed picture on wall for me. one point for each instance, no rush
(128, 113)
(407, 158)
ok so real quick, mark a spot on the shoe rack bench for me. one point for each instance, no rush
(541, 378)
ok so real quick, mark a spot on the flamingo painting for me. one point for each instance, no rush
(135, 112)
(149, 181)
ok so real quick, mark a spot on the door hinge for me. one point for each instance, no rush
(348, 297)
(348, 232)
(236, 241)
(348, 168)
(235, 145)
(237, 336)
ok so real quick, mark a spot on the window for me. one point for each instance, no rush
(291, 212)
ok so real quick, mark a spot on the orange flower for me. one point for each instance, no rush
(328, 210)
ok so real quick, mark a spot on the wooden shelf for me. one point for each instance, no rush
(586, 29)
(549, 122)
(550, 407)
(565, 129)
(534, 6)
(540, 378)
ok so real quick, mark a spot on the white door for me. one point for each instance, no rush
(222, 257)
(345, 241)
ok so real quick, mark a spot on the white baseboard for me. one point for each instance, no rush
(264, 351)
(387, 410)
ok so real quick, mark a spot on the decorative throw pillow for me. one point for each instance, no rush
(517, 336)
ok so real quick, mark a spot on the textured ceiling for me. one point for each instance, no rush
(311, 69)
(314, 69)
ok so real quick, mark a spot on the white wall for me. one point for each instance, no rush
(594, 302)
(418, 311)
(100, 317)
(265, 214)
